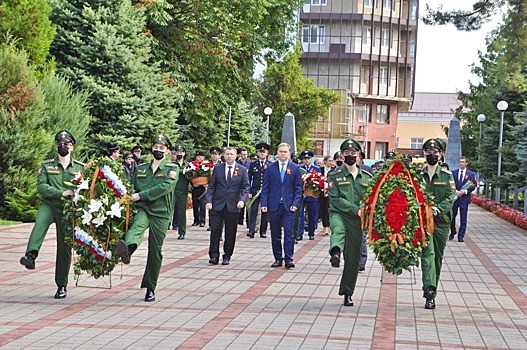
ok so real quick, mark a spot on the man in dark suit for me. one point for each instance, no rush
(281, 193)
(461, 176)
(310, 203)
(256, 172)
(226, 196)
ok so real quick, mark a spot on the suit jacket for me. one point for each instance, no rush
(221, 194)
(256, 173)
(469, 175)
(274, 191)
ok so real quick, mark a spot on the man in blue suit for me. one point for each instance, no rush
(281, 193)
(461, 176)
(310, 203)
(226, 196)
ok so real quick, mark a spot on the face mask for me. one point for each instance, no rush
(158, 155)
(350, 160)
(179, 156)
(63, 151)
(339, 162)
(432, 159)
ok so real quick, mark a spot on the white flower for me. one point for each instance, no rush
(105, 200)
(115, 210)
(76, 197)
(84, 185)
(99, 220)
(86, 217)
(94, 206)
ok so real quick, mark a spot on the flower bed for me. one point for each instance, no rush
(513, 216)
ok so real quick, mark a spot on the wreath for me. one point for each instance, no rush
(398, 216)
(98, 215)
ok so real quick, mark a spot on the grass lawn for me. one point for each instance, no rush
(8, 222)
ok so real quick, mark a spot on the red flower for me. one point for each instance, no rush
(396, 211)
(376, 236)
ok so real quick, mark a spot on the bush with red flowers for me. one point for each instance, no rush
(501, 210)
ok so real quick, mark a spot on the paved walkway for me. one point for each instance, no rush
(481, 304)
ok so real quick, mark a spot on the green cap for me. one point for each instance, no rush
(390, 155)
(433, 144)
(64, 136)
(163, 140)
(350, 145)
(337, 154)
(253, 155)
(178, 148)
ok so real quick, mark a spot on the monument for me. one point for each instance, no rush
(453, 148)
(288, 131)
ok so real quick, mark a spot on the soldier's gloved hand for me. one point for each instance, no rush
(67, 193)
(136, 197)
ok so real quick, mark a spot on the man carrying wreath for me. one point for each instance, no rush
(441, 183)
(154, 185)
(346, 187)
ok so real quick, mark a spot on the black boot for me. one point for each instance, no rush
(125, 252)
(150, 296)
(335, 257)
(347, 300)
(28, 260)
(61, 293)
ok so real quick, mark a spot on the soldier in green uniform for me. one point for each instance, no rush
(346, 187)
(154, 185)
(52, 176)
(181, 193)
(441, 183)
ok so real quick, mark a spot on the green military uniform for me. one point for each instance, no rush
(345, 193)
(51, 180)
(181, 198)
(443, 187)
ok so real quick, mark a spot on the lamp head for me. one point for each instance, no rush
(481, 118)
(268, 111)
(502, 105)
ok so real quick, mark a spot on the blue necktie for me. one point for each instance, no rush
(229, 176)
(282, 172)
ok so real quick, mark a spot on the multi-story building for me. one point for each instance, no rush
(363, 50)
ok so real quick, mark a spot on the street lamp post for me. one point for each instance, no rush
(268, 111)
(502, 107)
(481, 119)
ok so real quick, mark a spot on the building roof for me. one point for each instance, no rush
(431, 107)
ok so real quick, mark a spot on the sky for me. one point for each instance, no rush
(444, 54)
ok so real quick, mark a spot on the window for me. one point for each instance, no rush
(412, 49)
(368, 3)
(383, 114)
(365, 74)
(397, 142)
(316, 2)
(313, 34)
(363, 111)
(386, 40)
(381, 148)
(413, 14)
(416, 143)
(388, 5)
(383, 76)
(366, 36)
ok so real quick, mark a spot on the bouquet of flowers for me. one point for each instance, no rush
(98, 215)
(314, 183)
(198, 170)
(398, 216)
(469, 185)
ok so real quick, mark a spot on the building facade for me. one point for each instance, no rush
(365, 51)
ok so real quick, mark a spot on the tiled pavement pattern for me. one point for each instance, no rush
(482, 301)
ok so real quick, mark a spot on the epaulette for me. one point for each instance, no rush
(76, 161)
(367, 172)
(143, 165)
(48, 161)
(446, 171)
(170, 164)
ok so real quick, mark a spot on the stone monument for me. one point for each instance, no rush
(288, 131)
(453, 148)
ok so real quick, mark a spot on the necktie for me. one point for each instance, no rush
(261, 164)
(229, 175)
(461, 176)
(282, 172)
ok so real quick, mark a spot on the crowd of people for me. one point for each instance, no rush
(258, 190)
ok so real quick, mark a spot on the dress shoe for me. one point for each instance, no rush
(430, 304)
(181, 237)
(277, 263)
(195, 223)
(28, 260)
(347, 300)
(451, 237)
(263, 235)
(299, 238)
(174, 228)
(250, 235)
(214, 261)
(362, 268)
(61, 293)
(150, 296)
(226, 260)
(289, 264)
(122, 250)
(429, 293)
(335, 260)
(311, 238)
(460, 240)
(296, 241)
(203, 225)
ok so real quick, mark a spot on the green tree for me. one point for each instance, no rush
(27, 21)
(285, 89)
(103, 48)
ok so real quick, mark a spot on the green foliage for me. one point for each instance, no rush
(23, 204)
(285, 89)
(482, 11)
(246, 127)
(22, 134)
(28, 22)
(102, 47)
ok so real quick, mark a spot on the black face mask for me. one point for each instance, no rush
(432, 159)
(158, 155)
(179, 156)
(339, 162)
(350, 160)
(63, 151)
